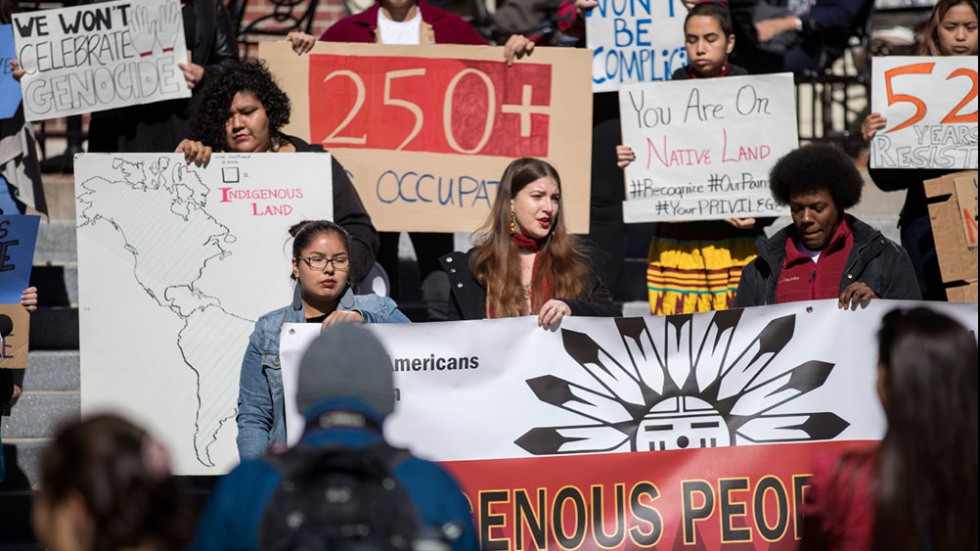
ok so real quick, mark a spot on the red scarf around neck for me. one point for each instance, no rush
(542, 288)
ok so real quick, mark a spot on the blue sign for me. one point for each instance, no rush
(9, 88)
(18, 234)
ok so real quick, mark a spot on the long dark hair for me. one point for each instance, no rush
(929, 43)
(927, 461)
(495, 262)
(123, 477)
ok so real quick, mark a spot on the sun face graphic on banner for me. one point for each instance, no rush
(691, 386)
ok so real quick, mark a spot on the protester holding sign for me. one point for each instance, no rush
(696, 266)
(525, 263)
(321, 261)
(244, 111)
(825, 253)
(951, 31)
(409, 22)
(918, 488)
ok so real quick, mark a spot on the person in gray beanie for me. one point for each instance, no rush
(363, 371)
(345, 391)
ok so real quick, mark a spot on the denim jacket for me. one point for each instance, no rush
(261, 408)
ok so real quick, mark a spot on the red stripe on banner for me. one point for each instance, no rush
(436, 105)
(736, 498)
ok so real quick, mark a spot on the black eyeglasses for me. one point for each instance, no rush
(318, 263)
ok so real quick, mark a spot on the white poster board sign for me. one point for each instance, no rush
(99, 56)
(175, 263)
(635, 41)
(704, 147)
(930, 104)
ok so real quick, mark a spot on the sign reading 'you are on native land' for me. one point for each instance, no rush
(704, 147)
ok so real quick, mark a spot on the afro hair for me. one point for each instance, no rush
(209, 112)
(815, 167)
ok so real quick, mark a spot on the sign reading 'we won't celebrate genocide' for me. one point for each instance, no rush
(100, 56)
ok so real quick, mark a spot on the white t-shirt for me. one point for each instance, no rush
(814, 255)
(404, 32)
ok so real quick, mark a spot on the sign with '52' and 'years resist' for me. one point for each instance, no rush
(426, 131)
(100, 56)
(704, 147)
(930, 104)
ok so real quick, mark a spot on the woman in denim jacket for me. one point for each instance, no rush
(321, 260)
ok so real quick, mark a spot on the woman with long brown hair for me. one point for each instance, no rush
(918, 489)
(524, 261)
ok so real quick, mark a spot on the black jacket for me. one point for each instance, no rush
(468, 300)
(349, 212)
(875, 261)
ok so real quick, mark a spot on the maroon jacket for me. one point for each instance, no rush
(361, 27)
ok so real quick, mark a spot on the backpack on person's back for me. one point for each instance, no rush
(339, 498)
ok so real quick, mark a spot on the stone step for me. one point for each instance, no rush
(59, 192)
(52, 371)
(54, 328)
(38, 415)
(56, 244)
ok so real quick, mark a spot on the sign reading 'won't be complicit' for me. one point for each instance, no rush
(100, 56)
(704, 147)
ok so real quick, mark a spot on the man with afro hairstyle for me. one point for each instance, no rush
(825, 253)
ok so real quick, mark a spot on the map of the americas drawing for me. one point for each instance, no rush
(176, 261)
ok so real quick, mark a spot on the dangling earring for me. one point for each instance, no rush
(513, 221)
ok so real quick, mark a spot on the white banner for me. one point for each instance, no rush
(635, 41)
(99, 56)
(506, 388)
(175, 262)
(930, 104)
(704, 147)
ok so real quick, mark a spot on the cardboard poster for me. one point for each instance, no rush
(931, 107)
(175, 264)
(704, 147)
(953, 215)
(426, 131)
(9, 88)
(99, 56)
(14, 346)
(635, 41)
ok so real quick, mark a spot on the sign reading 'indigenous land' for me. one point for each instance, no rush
(635, 41)
(99, 56)
(427, 131)
(197, 254)
(704, 147)
(931, 107)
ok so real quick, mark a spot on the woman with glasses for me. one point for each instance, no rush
(321, 264)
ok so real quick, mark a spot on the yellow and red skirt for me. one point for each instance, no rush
(696, 266)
